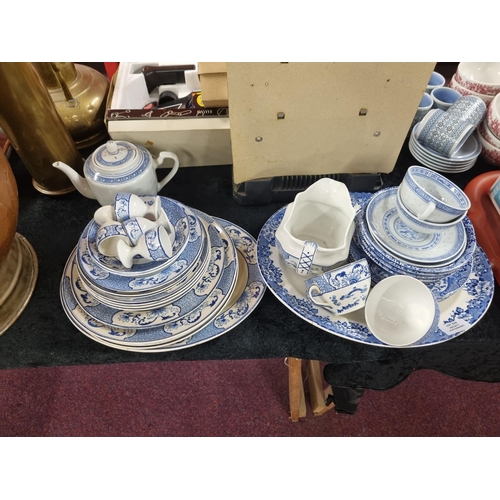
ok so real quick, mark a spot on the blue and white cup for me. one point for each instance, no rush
(108, 236)
(444, 132)
(135, 227)
(128, 205)
(469, 108)
(444, 97)
(431, 197)
(418, 225)
(436, 80)
(423, 108)
(342, 290)
(153, 245)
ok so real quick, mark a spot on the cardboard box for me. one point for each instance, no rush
(213, 80)
(199, 136)
(294, 119)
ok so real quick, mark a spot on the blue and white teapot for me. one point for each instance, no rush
(119, 166)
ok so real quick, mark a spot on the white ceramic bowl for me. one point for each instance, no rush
(493, 116)
(464, 91)
(490, 153)
(481, 77)
(400, 310)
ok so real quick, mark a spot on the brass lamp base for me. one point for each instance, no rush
(53, 193)
(18, 276)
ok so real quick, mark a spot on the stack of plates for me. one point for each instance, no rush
(443, 261)
(208, 286)
(461, 161)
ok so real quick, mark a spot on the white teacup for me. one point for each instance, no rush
(108, 236)
(128, 205)
(342, 290)
(135, 227)
(317, 228)
(153, 245)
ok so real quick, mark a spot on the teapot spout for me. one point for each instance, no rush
(78, 181)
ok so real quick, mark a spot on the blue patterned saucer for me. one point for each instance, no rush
(389, 230)
(442, 288)
(239, 307)
(458, 313)
(395, 265)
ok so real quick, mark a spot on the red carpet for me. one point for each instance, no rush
(229, 398)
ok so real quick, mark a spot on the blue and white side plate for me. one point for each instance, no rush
(247, 294)
(458, 313)
(392, 233)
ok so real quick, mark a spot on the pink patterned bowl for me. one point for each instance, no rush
(493, 117)
(480, 77)
(465, 91)
(489, 152)
(488, 134)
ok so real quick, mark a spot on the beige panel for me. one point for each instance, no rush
(322, 131)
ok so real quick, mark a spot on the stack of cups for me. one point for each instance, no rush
(446, 131)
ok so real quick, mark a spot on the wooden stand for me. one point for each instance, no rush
(317, 394)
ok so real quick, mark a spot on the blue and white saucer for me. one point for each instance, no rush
(458, 313)
(394, 235)
(441, 288)
(246, 295)
(395, 265)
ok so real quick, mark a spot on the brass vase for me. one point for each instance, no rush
(79, 93)
(30, 120)
(18, 261)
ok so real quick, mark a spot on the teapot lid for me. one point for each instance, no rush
(117, 161)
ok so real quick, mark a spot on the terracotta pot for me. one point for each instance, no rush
(9, 206)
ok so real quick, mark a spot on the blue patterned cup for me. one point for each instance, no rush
(342, 290)
(128, 205)
(423, 108)
(444, 97)
(108, 236)
(153, 245)
(436, 80)
(444, 132)
(136, 227)
(469, 108)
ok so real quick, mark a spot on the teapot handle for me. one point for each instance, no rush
(161, 157)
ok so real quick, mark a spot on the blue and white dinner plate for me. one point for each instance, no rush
(161, 315)
(392, 233)
(246, 295)
(142, 278)
(458, 313)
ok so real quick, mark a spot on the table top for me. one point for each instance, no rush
(44, 336)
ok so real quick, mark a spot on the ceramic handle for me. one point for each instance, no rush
(306, 258)
(161, 157)
(428, 211)
(318, 299)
